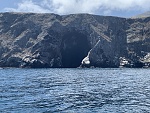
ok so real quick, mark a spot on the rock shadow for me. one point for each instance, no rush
(75, 46)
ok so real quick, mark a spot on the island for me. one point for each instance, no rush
(43, 40)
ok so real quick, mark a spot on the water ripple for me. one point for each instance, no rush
(75, 90)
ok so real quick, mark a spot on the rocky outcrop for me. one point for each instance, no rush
(50, 40)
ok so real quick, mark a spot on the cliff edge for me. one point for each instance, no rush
(69, 41)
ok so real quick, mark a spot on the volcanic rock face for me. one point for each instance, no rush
(49, 40)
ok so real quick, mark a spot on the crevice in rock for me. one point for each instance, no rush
(74, 48)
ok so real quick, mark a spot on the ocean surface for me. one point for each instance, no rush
(75, 90)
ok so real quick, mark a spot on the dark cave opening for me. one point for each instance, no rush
(75, 47)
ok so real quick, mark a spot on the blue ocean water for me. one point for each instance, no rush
(75, 90)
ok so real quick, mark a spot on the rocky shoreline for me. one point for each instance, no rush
(30, 40)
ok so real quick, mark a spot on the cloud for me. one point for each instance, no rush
(81, 6)
(28, 6)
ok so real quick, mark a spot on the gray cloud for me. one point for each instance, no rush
(28, 6)
(81, 6)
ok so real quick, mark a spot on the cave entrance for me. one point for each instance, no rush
(75, 47)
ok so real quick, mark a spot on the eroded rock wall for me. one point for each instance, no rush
(50, 40)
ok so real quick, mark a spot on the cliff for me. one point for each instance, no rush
(50, 40)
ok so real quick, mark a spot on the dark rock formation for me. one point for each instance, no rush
(50, 40)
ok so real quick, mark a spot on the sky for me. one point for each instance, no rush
(121, 8)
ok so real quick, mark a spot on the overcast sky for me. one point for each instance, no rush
(123, 8)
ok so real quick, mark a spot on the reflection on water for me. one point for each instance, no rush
(75, 90)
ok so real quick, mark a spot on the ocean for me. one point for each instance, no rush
(75, 90)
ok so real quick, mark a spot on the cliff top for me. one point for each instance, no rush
(143, 15)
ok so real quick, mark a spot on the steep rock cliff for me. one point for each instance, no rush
(50, 40)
